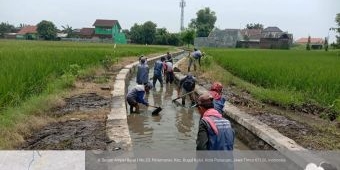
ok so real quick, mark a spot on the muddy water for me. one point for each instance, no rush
(174, 128)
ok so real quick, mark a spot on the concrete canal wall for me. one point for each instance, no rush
(116, 125)
(252, 132)
(257, 135)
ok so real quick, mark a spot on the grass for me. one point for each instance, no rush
(289, 77)
(20, 121)
(324, 135)
(34, 74)
(27, 66)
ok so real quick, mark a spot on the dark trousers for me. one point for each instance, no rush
(159, 78)
(169, 77)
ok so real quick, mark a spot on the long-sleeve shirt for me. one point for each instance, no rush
(142, 74)
(215, 132)
(137, 93)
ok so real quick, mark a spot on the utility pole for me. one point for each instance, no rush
(182, 5)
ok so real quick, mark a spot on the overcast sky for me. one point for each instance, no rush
(300, 17)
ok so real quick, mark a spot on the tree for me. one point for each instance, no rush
(47, 30)
(162, 36)
(5, 28)
(337, 20)
(136, 34)
(188, 36)
(254, 26)
(204, 22)
(68, 30)
(143, 34)
(149, 32)
(308, 44)
(174, 39)
(22, 25)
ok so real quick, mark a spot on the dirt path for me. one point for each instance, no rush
(81, 115)
(307, 130)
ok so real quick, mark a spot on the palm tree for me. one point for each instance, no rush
(68, 30)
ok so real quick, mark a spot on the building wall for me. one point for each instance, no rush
(113, 33)
(219, 38)
(274, 43)
(86, 36)
(103, 30)
(215, 42)
(248, 44)
(27, 37)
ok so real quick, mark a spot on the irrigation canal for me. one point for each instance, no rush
(175, 127)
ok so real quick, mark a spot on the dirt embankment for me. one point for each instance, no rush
(81, 116)
(299, 124)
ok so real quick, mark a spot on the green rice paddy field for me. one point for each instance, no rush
(26, 67)
(290, 76)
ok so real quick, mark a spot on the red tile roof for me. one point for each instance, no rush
(86, 31)
(312, 40)
(27, 30)
(105, 23)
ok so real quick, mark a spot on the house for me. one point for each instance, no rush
(251, 34)
(271, 32)
(227, 38)
(269, 38)
(109, 29)
(251, 38)
(275, 38)
(28, 33)
(86, 33)
(10, 35)
(315, 43)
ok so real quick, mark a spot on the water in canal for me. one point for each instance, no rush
(174, 128)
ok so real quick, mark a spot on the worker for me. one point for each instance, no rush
(136, 95)
(169, 72)
(187, 85)
(169, 57)
(219, 100)
(158, 72)
(194, 57)
(214, 134)
(142, 72)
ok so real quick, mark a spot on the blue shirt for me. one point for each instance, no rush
(157, 70)
(142, 74)
(137, 93)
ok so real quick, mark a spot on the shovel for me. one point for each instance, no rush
(157, 110)
(182, 96)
